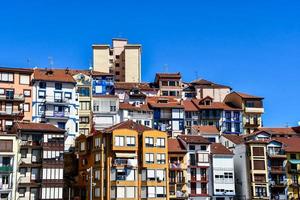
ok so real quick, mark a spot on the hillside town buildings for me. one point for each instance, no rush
(102, 133)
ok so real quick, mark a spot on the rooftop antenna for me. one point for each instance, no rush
(196, 75)
(50, 60)
(166, 67)
(28, 62)
(286, 124)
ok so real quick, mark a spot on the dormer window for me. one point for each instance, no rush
(207, 102)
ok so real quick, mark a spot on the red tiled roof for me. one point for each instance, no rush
(128, 106)
(189, 106)
(236, 139)
(174, 145)
(194, 139)
(129, 86)
(247, 96)
(14, 69)
(291, 144)
(213, 105)
(206, 129)
(86, 72)
(208, 84)
(56, 75)
(218, 148)
(168, 75)
(129, 124)
(38, 127)
(172, 102)
(278, 131)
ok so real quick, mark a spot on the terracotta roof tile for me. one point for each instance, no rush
(291, 144)
(55, 75)
(194, 139)
(169, 102)
(38, 127)
(129, 124)
(128, 106)
(278, 131)
(174, 145)
(87, 72)
(189, 106)
(236, 139)
(208, 84)
(218, 148)
(206, 129)
(247, 96)
(14, 69)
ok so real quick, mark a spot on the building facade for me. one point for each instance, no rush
(122, 59)
(55, 101)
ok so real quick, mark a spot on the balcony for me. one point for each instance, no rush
(254, 110)
(6, 169)
(57, 101)
(12, 113)
(30, 143)
(125, 162)
(276, 153)
(278, 183)
(166, 115)
(55, 114)
(141, 115)
(16, 97)
(200, 179)
(176, 166)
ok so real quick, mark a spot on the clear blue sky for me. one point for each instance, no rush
(253, 46)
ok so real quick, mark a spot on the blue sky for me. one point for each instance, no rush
(252, 46)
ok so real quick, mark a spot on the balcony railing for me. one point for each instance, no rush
(13, 113)
(201, 179)
(176, 166)
(125, 162)
(16, 97)
(56, 114)
(6, 169)
(52, 100)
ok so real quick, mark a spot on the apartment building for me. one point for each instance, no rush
(223, 182)
(40, 161)
(135, 107)
(8, 166)
(15, 96)
(105, 111)
(205, 112)
(198, 166)
(122, 88)
(129, 162)
(169, 84)
(55, 101)
(178, 179)
(90, 83)
(121, 59)
(168, 114)
(252, 107)
(204, 88)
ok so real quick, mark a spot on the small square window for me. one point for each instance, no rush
(42, 85)
(2, 91)
(192, 147)
(42, 94)
(117, 57)
(68, 95)
(117, 64)
(58, 86)
(27, 93)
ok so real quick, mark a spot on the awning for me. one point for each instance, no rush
(294, 161)
(126, 155)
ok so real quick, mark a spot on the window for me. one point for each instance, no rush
(160, 192)
(82, 146)
(97, 157)
(293, 156)
(165, 93)
(84, 105)
(160, 142)
(84, 120)
(23, 171)
(203, 147)
(164, 83)
(149, 158)
(117, 73)
(84, 91)
(161, 158)
(237, 128)
(172, 83)
(151, 192)
(147, 123)
(42, 94)
(202, 158)
(27, 93)
(260, 191)
(97, 192)
(22, 192)
(192, 147)
(24, 79)
(6, 77)
(117, 64)
(117, 57)
(68, 95)
(258, 151)
(130, 141)
(41, 109)
(250, 104)
(24, 153)
(97, 142)
(42, 85)
(119, 140)
(2, 91)
(26, 107)
(97, 174)
(151, 174)
(259, 164)
(112, 108)
(149, 141)
(58, 86)
(160, 174)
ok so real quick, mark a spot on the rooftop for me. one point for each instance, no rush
(218, 148)
(194, 139)
(208, 84)
(55, 75)
(236, 139)
(174, 145)
(37, 127)
(206, 130)
(129, 124)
